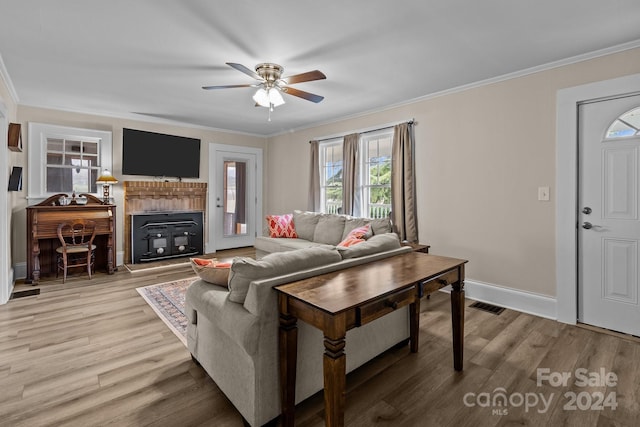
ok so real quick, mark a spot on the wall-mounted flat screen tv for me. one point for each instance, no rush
(157, 154)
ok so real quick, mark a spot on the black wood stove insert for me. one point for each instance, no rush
(162, 235)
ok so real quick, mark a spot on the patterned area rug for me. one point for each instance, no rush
(167, 300)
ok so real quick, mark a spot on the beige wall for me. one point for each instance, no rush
(481, 155)
(115, 125)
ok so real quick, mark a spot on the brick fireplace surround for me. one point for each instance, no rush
(151, 196)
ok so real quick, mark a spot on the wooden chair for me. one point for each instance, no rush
(77, 248)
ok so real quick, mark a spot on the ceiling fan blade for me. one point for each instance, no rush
(304, 77)
(302, 94)
(228, 86)
(245, 70)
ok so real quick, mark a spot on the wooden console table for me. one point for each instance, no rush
(342, 300)
(42, 237)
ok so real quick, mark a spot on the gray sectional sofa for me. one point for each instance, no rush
(233, 333)
(318, 229)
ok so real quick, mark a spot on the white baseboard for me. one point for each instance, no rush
(209, 249)
(11, 283)
(526, 302)
(20, 270)
(119, 258)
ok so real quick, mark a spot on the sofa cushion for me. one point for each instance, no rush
(245, 270)
(377, 243)
(329, 229)
(281, 226)
(380, 225)
(270, 245)
(305, 223)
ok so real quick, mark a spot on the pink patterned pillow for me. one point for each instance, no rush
(355, 236)
(350, 241)
(281, 226)
(360, 232)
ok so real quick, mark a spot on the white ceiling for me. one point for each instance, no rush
(150, 58)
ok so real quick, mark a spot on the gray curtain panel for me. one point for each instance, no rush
(313, 203)
(403, 190)
(350, 174)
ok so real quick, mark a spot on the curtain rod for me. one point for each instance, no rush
(366, 130)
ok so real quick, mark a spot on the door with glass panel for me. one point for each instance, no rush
(609, 214)
(233, 196)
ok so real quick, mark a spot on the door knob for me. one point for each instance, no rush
(587, 225)
(586, 210)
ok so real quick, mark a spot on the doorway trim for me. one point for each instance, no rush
(567, 102)
(6, 271)
(210, 245)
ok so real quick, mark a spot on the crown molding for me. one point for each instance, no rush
(144, 119)
(509, 76)
(4, 75)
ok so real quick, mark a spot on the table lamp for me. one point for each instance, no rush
(106, 179)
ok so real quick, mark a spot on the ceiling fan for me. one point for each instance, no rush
(271, 84)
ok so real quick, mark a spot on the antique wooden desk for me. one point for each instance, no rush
(345, 299)
(42, 240)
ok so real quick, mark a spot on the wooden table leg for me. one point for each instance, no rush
(414, 322)
(335, 371)
(457, 319)
(288, 342)
(35, 276)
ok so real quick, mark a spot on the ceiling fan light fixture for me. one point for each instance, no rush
(275, 98)
(268, 97)
(271, 84)
(261, 97)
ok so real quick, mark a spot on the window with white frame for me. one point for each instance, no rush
(66, 160)
(373, 189)
(72, 164)
(331, 176)
(375, 173)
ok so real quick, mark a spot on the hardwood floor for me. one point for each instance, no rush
(93, 353)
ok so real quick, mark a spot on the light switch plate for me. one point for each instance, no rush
(543, 194)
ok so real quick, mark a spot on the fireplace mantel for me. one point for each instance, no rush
(157, 196)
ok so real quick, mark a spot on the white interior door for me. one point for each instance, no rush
(234, 195)
(609, 226)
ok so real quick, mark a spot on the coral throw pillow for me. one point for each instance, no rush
(281, 226)
(212, 271)
(350, 241)
(355, 236)
(360, 232)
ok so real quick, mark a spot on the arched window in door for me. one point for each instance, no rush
(628, 124)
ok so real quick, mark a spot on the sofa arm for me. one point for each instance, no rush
(212, 302)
